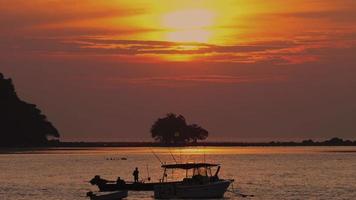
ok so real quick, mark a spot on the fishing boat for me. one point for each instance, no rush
(108, 195)
(198, 183)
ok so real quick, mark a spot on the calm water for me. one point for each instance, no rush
(266, 173)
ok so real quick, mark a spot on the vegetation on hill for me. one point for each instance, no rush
(21, 123)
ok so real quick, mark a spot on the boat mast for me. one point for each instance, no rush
(164, 174)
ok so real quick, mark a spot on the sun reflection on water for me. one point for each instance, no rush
(187, 151)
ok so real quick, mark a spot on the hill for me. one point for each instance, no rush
(21, 124)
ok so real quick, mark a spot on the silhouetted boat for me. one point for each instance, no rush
(108, 195)
(201, 177)
(201, 184)
(108, 186)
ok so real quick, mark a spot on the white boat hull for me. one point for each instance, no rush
(197, 191)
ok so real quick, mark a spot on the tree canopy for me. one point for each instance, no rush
(173, 129)
(21, 123)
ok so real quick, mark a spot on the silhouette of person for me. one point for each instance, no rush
(135, 175)
(120, 182)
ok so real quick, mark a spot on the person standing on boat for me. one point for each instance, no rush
(135, 174)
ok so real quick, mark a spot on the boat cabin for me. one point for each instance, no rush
(199, 182)
(194, 172)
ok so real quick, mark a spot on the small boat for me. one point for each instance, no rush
(109, 186)
(201, 185)
(108, 195)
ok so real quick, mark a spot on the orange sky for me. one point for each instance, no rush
(181, 30)
(244, 50)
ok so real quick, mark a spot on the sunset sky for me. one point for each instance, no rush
(245, 70)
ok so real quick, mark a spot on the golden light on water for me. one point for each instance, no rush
(199, 152)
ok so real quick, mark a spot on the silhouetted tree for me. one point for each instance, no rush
(195, 132)
(334, 141)
(308, 142)
(173, 129)
(21, 123)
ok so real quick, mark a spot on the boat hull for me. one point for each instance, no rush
(109, 196)
(108, 187)
(196, 191)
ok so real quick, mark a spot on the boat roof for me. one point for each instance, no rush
(188, 165)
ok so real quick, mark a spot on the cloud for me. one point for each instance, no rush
(88, 28)
(162, 47)
(189, 80)
(287, 51)
(19, 14)
(283, 50)
(345, 15)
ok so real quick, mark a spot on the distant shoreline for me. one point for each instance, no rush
(90, 145)
(331, 142)
(56, 143)
(205, 144)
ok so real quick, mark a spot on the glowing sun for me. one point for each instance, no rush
(189, 25)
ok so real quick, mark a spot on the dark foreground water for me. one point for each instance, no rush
(265, 172)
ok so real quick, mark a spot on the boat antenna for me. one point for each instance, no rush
(204, 154)
(148, 173)
(156, 156)
(172, 156)
(180, 155)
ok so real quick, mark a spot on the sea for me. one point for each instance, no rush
(259, 172)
